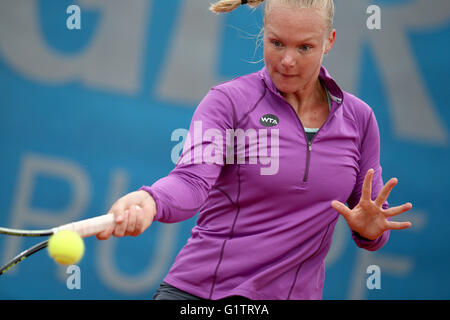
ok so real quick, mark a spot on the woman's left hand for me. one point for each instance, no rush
(368, 218)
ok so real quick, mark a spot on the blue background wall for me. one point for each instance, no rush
(87, 115)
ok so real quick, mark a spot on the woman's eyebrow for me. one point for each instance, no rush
(306, 39)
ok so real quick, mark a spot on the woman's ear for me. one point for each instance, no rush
(330, 41)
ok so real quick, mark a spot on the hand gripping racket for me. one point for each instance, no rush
(85, 228)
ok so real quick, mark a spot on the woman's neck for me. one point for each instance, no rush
(308, 98)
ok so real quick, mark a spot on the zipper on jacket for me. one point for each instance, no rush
(308, 156)
(309, 143)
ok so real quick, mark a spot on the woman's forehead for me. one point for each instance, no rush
(299, 22)
(296, 16)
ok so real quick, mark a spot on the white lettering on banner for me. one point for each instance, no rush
(178, 148)
(374, 20)
(414, 117)
(191, 62)
(74, 20)
(374, 280)
(74, 280)
(391, 264)
(158, 262)
(113, 60)
(25, 216)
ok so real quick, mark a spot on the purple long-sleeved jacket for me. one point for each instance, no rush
(265, 224)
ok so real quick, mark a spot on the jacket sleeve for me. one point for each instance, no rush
(180, 195)
(370, 158)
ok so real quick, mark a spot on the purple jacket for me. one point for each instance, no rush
(265, 224)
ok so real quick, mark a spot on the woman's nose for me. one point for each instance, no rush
(288, 60)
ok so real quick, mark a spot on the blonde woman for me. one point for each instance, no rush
(265, 234)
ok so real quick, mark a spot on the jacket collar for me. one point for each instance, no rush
(336, 94)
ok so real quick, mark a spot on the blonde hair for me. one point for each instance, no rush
(327, 5)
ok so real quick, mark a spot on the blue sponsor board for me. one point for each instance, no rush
(87, 115)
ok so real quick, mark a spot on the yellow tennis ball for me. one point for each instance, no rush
(66, 247)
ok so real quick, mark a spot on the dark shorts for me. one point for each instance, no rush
(168, 292)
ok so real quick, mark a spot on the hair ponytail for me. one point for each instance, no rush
(222, 6)
(229, 5)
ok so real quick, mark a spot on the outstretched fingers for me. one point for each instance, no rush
(394, 225)
(397, 210)
(366, 192)
(385, 191)
(341, 208)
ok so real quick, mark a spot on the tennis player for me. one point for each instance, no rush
(263, 233)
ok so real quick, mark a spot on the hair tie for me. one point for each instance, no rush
(244, 2)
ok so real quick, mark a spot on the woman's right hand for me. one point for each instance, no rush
(133, 213)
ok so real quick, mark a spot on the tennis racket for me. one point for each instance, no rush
(85, 228)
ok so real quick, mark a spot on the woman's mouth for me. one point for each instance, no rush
(288, 75)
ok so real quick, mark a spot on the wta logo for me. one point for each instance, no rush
(269, 120)
(230, 146)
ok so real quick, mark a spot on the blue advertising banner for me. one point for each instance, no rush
(96, 97)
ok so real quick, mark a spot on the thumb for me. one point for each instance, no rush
(341, 208)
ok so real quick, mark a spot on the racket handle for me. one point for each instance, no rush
(89, 227)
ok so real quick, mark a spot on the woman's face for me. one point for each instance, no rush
(295, 40)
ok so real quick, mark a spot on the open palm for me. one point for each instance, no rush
(368, 218)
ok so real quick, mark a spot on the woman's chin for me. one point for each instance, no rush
(285, 88)
(286, 84)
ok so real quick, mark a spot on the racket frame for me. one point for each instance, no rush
(85, 228)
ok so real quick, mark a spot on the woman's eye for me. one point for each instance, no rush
(305, 47)
(276, 43)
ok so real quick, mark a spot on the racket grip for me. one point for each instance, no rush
(89, 227)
